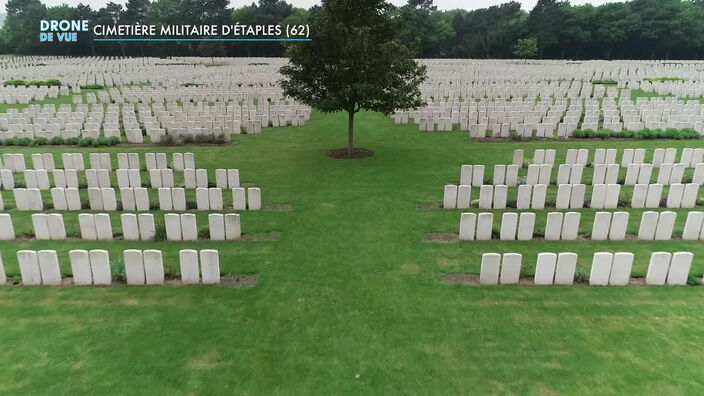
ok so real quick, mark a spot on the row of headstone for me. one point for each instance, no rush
(565, 226)
(690, 157)
(650, 196)
(539, 174)
(657, 226)
(15, 162)
(224, 178)
(48, 226)
(569, 174)
(608, 269)
(100, 178)
(605, 196)
(28, 199)
(142, 267)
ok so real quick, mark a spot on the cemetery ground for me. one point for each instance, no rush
(350, 299)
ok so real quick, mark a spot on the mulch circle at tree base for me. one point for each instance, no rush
(357, 154)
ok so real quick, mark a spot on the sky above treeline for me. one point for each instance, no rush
(441, 4)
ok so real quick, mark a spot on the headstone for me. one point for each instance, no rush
(645, 174)
(601, 269)
(490, 267)
(153, 267)
(464, 197)
(679, 268)
(254, 198)
(141, 199)
(165, 202)
(689, 197)
(545, 269)
(188, 261)
(29, 267)
(233, 228)
(652, 199)
(477, 175)
(693, 226)
(619, 226)
(553, 226)
(103, 228)
(466, 175)
(598, 196)
(201, 178)
(658, 268)
(86, 223)
(130, 227)
(509, 224)
(238, 198)
(100, 267)
(674, 196)
(601, 226)
(189, 229)
(485, 224)
(524, 196)
(648, 226)
(178, 198)
(210, 266)
(577, 196)
(41, 226)
(526, 226)
(189, 178)
(666, 225)
(613, 191)
(510, 269)
(80, 267)
(564, 192)
(468, 225)
(147, 229)
(664, 174)
(155, 178)
(563, 174)
(500, 196)
(49, 267)
(640, 192)
(216, 224)
(518, 158)
(167, 178)
(172, 222)
(570, 226)
(134, 267)
(499, 175)
(539, 194)
(55, 222)
(512, 175)
(621, 269)
(612, 171)
(533, 174)
(566, 268)
(599, 176)
(202, 199)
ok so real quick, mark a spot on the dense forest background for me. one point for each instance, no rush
(638, 29)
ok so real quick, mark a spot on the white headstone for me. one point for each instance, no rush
(80, 267)
(566, 268)
(490, 267)
(666, 225)
(188, 261)
(189, 229)
(601, 269)
(545, 269)
(485, 224)
(467, 226)
(510, 269)
(100, 267)
(130, 228)
(526, 226)
(553, 226)
(619, 226)
(49, 267)
(153, 267)
(134, 267)
(693, 226)
(570, 226)
(679, 268)
(658, 268)
(210, 266)
(621, 269)
(601, 226)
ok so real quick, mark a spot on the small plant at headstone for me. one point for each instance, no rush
(117, 270)
(693, 280)
(159, 232)
(581, 277)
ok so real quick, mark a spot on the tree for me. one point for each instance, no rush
(546, 21)
(526, 48)
(22, 24)
(354, 62)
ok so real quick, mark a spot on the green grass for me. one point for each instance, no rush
(350, 300)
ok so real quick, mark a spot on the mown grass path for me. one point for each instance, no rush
(350, 300)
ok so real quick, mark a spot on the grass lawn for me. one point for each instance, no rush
(350, 299)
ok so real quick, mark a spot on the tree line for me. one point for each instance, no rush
(638, 29)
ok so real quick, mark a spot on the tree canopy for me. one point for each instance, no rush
(638, 29)
(354, 62)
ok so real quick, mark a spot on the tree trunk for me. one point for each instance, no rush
(350, 135)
